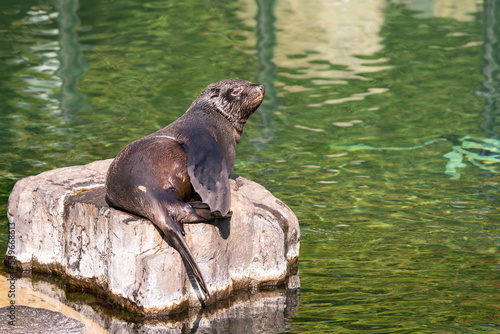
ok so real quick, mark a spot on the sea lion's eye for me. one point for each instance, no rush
(214, 93)
(236, 91)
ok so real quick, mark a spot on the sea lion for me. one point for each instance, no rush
(180, 174)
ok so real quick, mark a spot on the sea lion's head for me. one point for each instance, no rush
(234, 99)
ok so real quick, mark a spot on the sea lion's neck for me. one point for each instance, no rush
(236, 124)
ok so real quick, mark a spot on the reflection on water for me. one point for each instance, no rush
(266, 43)
(458, 9)
(490, 86)
(481, 152)
(44, 86)
(379, 130)
(263, 312)
(72, 62)
(315, 35)
(60, 64)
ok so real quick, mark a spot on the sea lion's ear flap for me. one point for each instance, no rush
(208, 172)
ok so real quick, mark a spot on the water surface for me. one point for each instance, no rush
(365, 133)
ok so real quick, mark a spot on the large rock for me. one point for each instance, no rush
(63, 225)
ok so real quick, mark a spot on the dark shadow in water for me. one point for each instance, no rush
(72, 62)
(266, 42)
(491, 53)
(490, 89)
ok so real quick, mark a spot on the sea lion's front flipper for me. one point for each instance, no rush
(200, 212)
(208, 173)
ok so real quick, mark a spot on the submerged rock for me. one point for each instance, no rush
(63, 225)
(37, 321)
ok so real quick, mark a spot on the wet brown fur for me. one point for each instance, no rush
(150, 177)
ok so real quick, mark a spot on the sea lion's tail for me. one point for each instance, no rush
(174, 236)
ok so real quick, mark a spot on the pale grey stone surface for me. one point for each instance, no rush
(63, 225)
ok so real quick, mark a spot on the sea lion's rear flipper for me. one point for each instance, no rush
(208, 172)
(174, 237)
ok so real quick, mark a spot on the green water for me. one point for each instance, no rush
(401, 240)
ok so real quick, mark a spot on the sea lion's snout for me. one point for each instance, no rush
(255, 97)
(261, 89)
